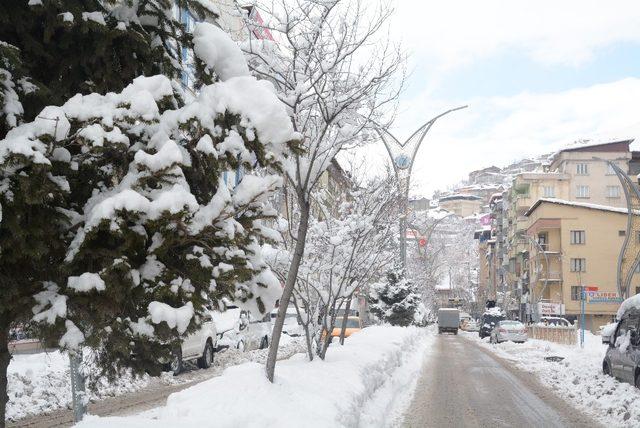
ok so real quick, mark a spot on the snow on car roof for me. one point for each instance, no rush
(632, 302)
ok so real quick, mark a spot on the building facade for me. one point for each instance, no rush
(579, 247)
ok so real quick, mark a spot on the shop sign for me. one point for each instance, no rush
(548, 308)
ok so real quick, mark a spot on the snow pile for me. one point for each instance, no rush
(39, 383)
(578, 378)
(317, 394)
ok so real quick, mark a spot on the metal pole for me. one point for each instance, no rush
(402, 156)
(77, 386)
(583, 298)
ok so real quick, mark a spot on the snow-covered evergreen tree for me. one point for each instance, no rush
(157, 231)
(395, 300)
(67, 47)
(119, 221)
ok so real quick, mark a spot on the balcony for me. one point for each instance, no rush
(553, 276)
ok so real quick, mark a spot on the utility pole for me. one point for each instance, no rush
(402, 157)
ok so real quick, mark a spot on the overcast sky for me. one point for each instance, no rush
(535, 74)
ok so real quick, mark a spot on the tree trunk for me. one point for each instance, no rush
(344, 320)
(288, 287)
(322, 352)
(5, 358)
(307, 336)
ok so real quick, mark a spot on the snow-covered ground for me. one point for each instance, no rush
(367, 382)
(39, 383)
(578, 378)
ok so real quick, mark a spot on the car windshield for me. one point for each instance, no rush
(351, 323)
(488, 319)
(511, 324)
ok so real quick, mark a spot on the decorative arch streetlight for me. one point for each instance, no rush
(402, 156)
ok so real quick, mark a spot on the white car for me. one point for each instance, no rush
(239, 329)
(199, 346)
(292, 325)
(505, 330)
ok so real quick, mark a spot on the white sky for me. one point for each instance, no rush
(536, 75)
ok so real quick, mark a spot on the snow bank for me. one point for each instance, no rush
(578, 378)
(316, 394)
(39, 383)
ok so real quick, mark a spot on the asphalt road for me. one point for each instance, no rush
(462, 385)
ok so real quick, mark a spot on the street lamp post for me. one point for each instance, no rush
(629, 257)
(402, 156)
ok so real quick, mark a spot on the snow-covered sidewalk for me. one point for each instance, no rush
(367, 382)
(39, 383)
(578, 378)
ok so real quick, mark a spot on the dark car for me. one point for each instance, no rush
(622, 359)
(488, 321)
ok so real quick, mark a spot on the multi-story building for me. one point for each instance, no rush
(419, 204)
(576, 174)
(579, 247)
(591, 179)
(461, 205)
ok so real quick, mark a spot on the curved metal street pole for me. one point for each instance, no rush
(403, 165)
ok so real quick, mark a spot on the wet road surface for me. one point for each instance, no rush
(462, 385)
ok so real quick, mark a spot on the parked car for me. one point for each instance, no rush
(489, 320)
(241, 330)
(353, 326)
(622, 359)
(471, 325)
(199, 346)
(557, 321)
(508, 330)
(292, 326)
(448, 320)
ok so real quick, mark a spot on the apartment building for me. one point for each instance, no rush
(461, 205)
(579, 247)
(591, 179)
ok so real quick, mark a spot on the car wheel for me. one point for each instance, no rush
(264, 343)
(606, 370)
(206, 360)
(241, 346)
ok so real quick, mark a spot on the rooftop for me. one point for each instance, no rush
(574, 204)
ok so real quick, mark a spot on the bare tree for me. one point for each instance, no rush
(344, 255)
(335, 73)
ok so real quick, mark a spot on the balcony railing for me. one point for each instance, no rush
(550, 276)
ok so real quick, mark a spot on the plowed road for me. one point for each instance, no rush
(462, 385)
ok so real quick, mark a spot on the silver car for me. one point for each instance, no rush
(509, 330)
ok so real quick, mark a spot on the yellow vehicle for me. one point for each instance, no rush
(353, 326)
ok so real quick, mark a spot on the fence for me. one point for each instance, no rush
(557, 334)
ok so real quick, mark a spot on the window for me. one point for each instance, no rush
(613, 191)
(578, 236)
(582, 169)
(548, 192)
(575, 292)
(622, 233)
(543, 240)
(578, 265)
(582, 191)
(610, 170)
